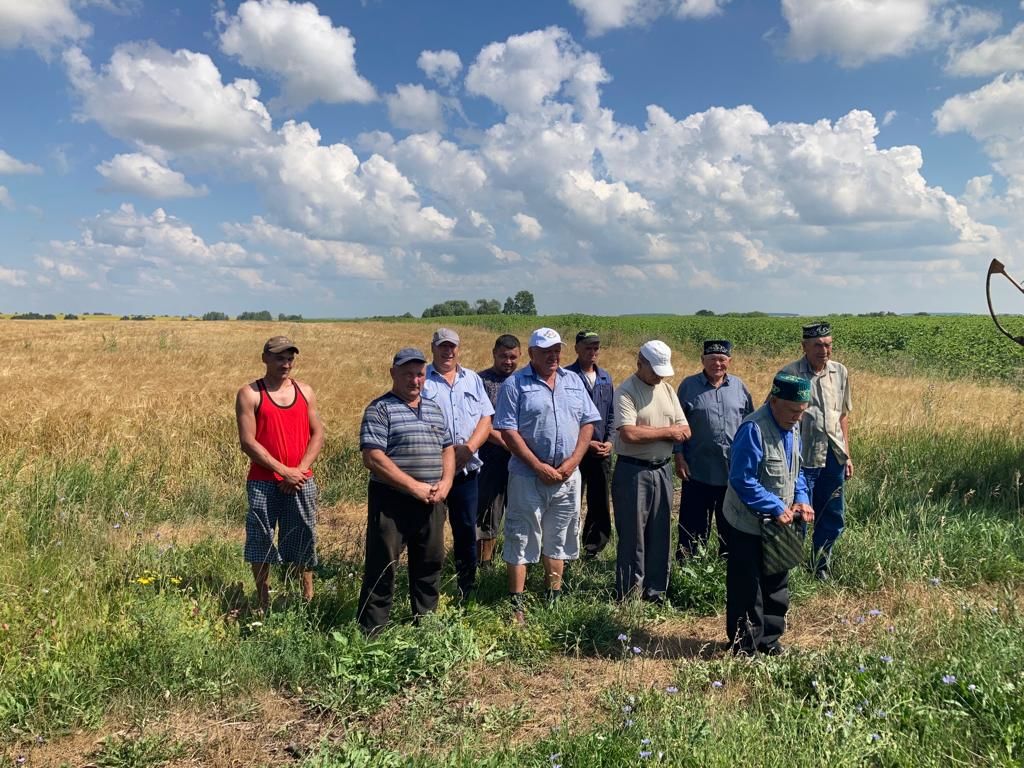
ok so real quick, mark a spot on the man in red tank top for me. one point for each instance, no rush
(280, 430)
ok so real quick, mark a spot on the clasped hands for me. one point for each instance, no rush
(798, 511)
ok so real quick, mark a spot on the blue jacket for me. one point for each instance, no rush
(603, 396)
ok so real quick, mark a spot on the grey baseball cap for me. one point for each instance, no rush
(445, 335)
(409, 355)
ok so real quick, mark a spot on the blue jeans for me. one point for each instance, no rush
(462, 503)
(825, 487)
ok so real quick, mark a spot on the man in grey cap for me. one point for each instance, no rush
(546, 418)
(825, 427)
(279, 429)
(648, 422)
(461, 396)
(408, 449)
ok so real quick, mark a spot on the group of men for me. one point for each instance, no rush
(514, 449)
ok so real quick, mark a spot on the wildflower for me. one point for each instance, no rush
(672, 689)
(935, 581)
(862, 669)
(629, 723)
(716, 684)
(880, 713)
(645, 741)
(972, 687)
(859, 620)
(627, 709)
(874, 612)
(637, 650)
(948, 679)
(876, 736)
(623, 637)
(116, 526)
(555, 757)
(829, 714)
(814, 684)
(644, 754)
(886, 659)
(20, 760)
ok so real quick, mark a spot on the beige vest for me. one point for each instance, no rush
(774, 474)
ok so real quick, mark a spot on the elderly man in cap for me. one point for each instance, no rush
(826, 438)
(648, 421)
(280, 431)
(546, 418)
(765, 487)
(494, 454)
(714, 403)
(461, 395)
(408, 448)
(596, 467)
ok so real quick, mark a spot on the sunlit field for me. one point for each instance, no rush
(128, 636)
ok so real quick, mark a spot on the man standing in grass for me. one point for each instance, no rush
(714, 403)
(765, 487)
(408, 449)
(280, 430)
(494, 454)
(825, 428)
(461, 396)
(648, 422)
(596, 467)
(546, 418)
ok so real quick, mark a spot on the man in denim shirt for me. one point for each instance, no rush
(596, 467)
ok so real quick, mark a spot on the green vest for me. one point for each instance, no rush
(775, 474)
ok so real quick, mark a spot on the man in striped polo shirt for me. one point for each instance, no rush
(408, 448)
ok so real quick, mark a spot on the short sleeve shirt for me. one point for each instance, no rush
(830, 401)
(548, 420)
(640, 404)
(413, 438)
(464, 403)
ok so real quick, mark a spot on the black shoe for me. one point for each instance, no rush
(823, 575)
(775, 649)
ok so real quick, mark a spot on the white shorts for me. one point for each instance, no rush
(541, 519)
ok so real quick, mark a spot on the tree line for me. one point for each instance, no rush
(522, 303)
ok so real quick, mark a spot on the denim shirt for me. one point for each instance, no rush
(714, 415)
(463, 404)
(549, 421)
(603, 395)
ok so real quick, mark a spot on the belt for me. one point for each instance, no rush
(654, 464)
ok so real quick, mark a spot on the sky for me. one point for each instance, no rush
(350, 158)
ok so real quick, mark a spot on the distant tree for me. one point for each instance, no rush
(406, 314)
(215, 316)
(263, 314)
(70, 316)
(282, 317)
(921, 314)
(450, 308)
(488, 307)
(705, 313)
(522, 304)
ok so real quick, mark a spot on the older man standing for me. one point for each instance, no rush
(765, 487)
(825, 427)
(461, 396)
(648, 421)
(407, 447)
(596, 467)
(546, 418)
(714, 403)
(494, 454)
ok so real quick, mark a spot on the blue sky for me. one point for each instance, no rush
(612, 156)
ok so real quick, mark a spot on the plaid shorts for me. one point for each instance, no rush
(294, 516)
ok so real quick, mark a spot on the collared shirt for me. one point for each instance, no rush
(489, 452)
(413, 438)
(548, 420)
(602, 392)
(464, 403)
(744, 471)
(714, 414)
(640, 404)
(830, 401)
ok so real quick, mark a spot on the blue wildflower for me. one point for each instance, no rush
(948, 679)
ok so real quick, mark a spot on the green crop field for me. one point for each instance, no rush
(128, 636)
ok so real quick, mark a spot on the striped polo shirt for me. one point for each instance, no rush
(413, 438)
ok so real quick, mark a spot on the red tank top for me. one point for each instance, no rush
(282, 430)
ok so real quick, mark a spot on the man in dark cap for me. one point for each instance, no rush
(826, 438)
(408, 448)
(714, 403)
(280, 430)
(765, 484)
(596, 467)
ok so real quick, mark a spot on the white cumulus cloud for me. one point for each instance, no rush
(12, 165)
(528, 226)
(40, 24)
(1001, 53)
(600, 16)
(415, 108)
(140, 174)
(294, 42)
(440, 66)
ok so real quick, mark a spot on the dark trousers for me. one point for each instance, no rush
(825, 487)
(643, 524)
(698, 503)
(756, 603)
(595, 473)
(462, 504)
(493, 488)
(396, 520)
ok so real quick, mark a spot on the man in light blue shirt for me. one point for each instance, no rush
(462, 398)
(546, 417)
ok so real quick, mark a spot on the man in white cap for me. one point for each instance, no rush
(546, 418)
(648, 421)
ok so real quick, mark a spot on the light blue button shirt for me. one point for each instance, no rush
(548, 420)
(464, 403)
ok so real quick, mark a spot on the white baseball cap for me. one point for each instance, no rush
(544, 338)
(659, 356)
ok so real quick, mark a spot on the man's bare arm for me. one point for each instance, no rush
(517, 446)
(568, 466)
(637, 433)
(245, 416)
(385, 470)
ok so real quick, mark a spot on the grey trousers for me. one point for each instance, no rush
(642, 503)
